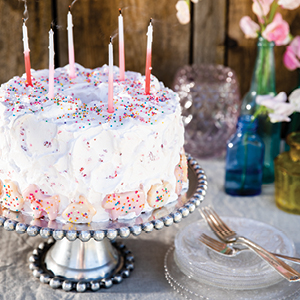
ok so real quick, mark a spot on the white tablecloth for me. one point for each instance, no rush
(147, 281)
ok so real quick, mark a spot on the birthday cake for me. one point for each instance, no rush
(68, 159)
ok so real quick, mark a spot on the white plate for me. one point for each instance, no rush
(246, 271)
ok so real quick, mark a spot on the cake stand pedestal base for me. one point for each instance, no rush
(81, 265)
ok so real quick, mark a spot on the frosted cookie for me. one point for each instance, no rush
(121, 204)
(12, 198)
(159, 194)
(79, 212)
(40, 203)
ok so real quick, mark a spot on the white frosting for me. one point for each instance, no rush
(71, 146)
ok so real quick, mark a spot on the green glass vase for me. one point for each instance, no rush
(263, 83)
(294, 124)
(287, 176)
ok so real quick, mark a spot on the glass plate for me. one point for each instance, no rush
(246, 270)
(191, 289)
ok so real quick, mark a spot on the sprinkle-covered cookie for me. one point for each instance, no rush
(79, 212)
(181, 173)
(159, 194)
(12, 198)
(40, 203)
(120, 204)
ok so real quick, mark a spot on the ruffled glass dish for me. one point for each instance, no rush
(246, 271)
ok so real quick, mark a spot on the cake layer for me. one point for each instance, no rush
(70, 150)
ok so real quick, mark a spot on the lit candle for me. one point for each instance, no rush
(110, 78)
(71, 46)
(148, 58)
(26, 53)
(51, 64)
(121, 47)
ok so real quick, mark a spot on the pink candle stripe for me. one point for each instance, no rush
(148, 72)
(121, 61)
(110, 100)
(27, 67)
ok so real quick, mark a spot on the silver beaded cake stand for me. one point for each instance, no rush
(82, 257)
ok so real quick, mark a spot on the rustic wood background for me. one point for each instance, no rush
(213, 36)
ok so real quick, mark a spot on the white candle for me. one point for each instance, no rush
(25, 38)
(121, 47)
(71, 46)
(148, 58)
(26, 54)
(110, 78)
(51, 64)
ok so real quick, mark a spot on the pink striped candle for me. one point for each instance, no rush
(110, 78)
(121, 47)
(51, 64)
(26, 54)
(148, 58)
(71, 46)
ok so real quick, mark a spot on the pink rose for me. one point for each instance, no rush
(249, 27)
(290, 60)
(261, 7)
(289, 4)
(277, 31)
(183, 12)
(292, 54)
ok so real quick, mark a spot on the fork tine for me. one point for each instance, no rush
(211, 222)
(218, 219)
(211, 240)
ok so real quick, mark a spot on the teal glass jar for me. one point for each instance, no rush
(244, 160)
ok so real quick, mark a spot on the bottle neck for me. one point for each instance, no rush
(246, 124)
(263, 77)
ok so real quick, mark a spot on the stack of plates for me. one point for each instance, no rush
(197, 272)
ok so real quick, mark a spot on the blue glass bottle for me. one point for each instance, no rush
(244, 160)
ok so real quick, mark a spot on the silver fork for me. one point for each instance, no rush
(224, 249)
(227, 235)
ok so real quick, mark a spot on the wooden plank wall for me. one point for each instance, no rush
(214, 36)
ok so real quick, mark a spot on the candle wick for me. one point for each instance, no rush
(110, 39)
(24, 20)
(120, 11)
(69, 8)
(150, 20)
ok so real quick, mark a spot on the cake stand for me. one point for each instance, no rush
(86, 256)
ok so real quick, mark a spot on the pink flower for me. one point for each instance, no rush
(261, 7)
(183, 12)
(278, 109)
(249, 27)
(292, 54)
(289, 4)
(270, 101)
(277, 31)
(274, 118)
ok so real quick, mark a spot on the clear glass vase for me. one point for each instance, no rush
(263, 83)
(244, 160)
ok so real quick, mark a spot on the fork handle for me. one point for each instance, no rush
(281, 267)
(289, 258)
